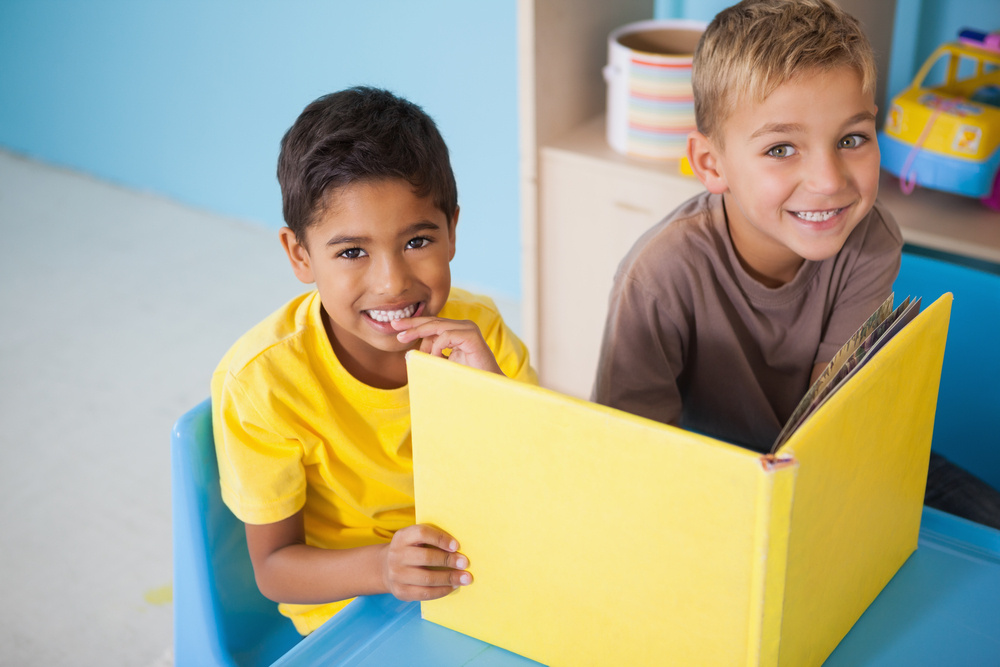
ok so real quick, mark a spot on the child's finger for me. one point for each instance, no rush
(416, 592)
(424, 534)
(434, 557)
(431, 577)
(435, 342)
(427, 345)
(421, 327)
(445, 341)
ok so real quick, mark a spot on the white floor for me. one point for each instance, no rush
(115, 307)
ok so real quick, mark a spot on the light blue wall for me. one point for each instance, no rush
(189, 98)
(699, 10)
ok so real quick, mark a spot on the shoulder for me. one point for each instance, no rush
(687, 233)
(465, 305)
(510, 351)
(874, 247)
(478, 308)
(280, 333)
(884, 223)
(680, 250)
(877, 232)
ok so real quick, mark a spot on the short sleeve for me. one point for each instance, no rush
(870, 268)
(511, 353)
(261, 473)
(640, 356)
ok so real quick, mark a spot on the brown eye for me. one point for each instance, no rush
(352, 253)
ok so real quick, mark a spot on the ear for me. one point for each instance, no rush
(704, 158)
(298, 255)
(451, 234)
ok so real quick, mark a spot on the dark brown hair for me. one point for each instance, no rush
(357, 135)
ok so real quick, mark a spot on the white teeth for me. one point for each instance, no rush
(818, 216)
(390, 315)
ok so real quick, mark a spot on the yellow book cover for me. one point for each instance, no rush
(601, 538)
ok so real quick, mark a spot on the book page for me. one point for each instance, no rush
(827, 376)
(872, 344)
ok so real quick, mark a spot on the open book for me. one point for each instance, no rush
(880, 327)
(597, 537)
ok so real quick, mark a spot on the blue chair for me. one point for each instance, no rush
(967, 422)
(220, 617)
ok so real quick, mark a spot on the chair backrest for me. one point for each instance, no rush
(967, 421)
(220, 617)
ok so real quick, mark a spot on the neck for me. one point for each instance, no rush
(771, 269)
(378, 369)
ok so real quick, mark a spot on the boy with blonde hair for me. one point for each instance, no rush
(310, 407)
(723, 314)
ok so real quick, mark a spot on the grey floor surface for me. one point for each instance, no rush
(115, 307)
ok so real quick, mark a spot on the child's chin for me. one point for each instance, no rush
(821, 247)
(395, 347)
(815, 253)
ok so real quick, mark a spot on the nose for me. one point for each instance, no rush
(391, 275)
(827, 173)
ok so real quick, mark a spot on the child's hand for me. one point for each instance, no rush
(438, 334)
(423, 563)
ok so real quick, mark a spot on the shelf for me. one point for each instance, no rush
(943, 221)
(589, 141)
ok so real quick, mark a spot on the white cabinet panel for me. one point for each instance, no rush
(593, 212)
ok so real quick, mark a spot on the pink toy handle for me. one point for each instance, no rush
(907, 176)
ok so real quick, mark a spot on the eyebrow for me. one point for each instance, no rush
(787, 128)
(776, 128)
(422, 226)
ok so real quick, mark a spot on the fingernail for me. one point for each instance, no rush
(461, 563)
(453, 546)
(465, 579)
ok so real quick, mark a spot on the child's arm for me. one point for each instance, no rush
(420, 563)
(463, 337)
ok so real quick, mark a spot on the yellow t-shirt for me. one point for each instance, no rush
(294, 429)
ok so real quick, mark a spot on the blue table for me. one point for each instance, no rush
(941, 608)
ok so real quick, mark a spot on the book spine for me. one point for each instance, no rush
(775, 490)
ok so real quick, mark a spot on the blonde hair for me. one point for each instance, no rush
(751, 48)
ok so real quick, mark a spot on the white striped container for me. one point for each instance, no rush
(650, 103)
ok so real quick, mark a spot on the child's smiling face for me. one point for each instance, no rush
(798, 171)
(377, 253)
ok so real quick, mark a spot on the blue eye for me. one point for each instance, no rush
(853, 141)
(781, 151)
(352, 253)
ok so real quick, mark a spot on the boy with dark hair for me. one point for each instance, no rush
(723, 314)
(310, 407)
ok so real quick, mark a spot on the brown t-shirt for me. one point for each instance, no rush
(692, 340)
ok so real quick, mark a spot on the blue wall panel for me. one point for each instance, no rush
(189, 99)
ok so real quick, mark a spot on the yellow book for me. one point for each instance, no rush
(600, 538)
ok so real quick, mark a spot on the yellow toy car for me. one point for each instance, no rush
(943, 132)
